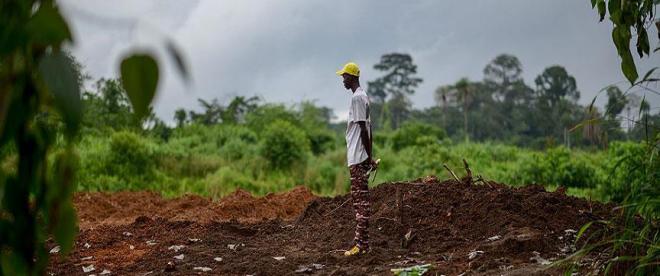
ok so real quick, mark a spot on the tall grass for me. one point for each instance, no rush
(214, 161)
(628, 244)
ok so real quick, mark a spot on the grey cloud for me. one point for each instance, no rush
(288, 51)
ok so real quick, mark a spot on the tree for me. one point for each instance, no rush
(463, 93)
(108, 107)
(633, 101)
(180, 117)
(554, 85)
(501, 75)
(398, 82)
(442, 99)
(616, 101)
(211, 114)
(509, 113)
(237, 108)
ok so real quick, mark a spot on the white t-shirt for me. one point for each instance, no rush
(358, 111)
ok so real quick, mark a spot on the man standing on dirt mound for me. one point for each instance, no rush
(360, 163)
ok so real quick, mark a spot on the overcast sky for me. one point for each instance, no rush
(288, 51)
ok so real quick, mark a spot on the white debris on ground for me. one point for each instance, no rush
(105, 272)
(55, 249)
(147, 273)
(505, 267)
(474, 254)
(88, 268)
(494, 238)
(86, 258)
(194, 240)
(202, 268)
(538, 259)
(127, 234)
(87, 245)
(308, 268)
(151, 242)
(179, 257)
(234, 246)
(217, 259)
(413, 270)
(176, 248)
(568, 238)
(131, 246)
(279, 258)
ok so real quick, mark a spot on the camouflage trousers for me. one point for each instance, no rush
(361, 204)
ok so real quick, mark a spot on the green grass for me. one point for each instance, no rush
(214, 161)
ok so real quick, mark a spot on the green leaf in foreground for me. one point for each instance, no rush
(139, 76)
(59, 76)
(174, 52)
(48, 27)
(582, 230)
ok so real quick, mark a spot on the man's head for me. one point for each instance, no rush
(351, 75)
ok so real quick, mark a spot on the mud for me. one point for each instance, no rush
(486, 229)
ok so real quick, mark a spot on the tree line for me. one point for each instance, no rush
(499, 107)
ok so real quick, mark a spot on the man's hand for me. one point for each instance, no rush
(373, 163)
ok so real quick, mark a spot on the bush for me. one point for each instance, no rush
(268, 114)
(321, 140)
(235, 149)
(283, 144)
(409, 134)
(130, 155)
(628, 169)
(225, 180)
(558, 167)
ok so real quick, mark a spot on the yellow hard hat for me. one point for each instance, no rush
(351, 69)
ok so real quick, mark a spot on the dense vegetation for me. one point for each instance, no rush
(265, 147)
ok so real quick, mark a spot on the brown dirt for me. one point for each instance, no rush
(95, 209)
(447, 220)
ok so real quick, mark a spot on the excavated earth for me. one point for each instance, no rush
(485, 229)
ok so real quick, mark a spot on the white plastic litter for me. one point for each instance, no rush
(127, 234)
(279, 258)
(151, 242)
(194, 240)
(202, 268)
(105, 272)
(131, 247)
(86, 258)
(176, 248)
(538, 259)
(217, 259)
(494, 238)
(87, 245)
(179, 257)
(88, 268)
(55, 250)
(474, 254)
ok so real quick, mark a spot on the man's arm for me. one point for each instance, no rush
(364, 137)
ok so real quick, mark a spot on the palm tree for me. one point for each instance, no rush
(442, 95)
(237, 108)
(463, 91)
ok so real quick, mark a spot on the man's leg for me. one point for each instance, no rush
(361, 204)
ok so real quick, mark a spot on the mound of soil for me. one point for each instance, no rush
(474, 229)
(95, 209)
